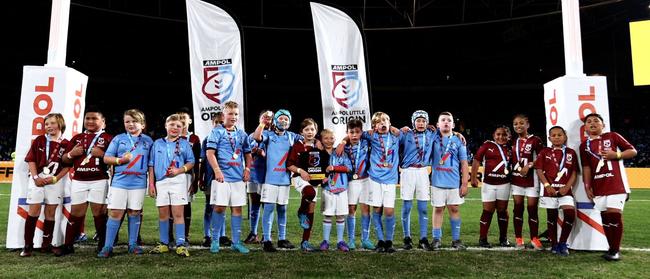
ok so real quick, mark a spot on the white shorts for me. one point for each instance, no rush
(275, 194)
(172, 191)
(554, 203)
(299, 184)
(415, 183)
(441, 197)
(88, 191)
(252, 187)
(601, 203)
(122, 199)
(381, 194)
(228, 193)
(491, 193)
(532, 192)
(335, 204)
(48, 194)
(358, 191)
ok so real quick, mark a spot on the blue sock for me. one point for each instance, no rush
(235, 228)
(134, 228)
(340, 228)
(376, 220)
(406, 218)
(220, 220)
(455, 228)
(255, 217)
(267, 220)
(351, 227)
(365, 227)
(213, 225)
(327, 229)
(180, 234)
(423, 220)
(282, 222)
(112, 227)
(390, 227)
(222, 232)
(207, 217)
(163, 229)
(437, 233)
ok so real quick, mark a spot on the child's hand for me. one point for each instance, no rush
(152, 191)
(97, 152)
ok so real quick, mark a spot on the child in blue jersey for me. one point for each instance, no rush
(335, 194)
(414, 179)
(254, 186)
(225, 153)
(170, 160)
(275, 190)
(449, 188)
(129, 154)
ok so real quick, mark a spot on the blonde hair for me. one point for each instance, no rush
(174, 117)
(137, 115)
(376, 117)
(230, 105)
(326, 132)
(59, 120)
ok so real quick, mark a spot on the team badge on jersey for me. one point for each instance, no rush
(218, 80)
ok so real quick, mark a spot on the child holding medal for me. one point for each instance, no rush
(602, 156)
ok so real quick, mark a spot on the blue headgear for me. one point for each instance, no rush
(417, 114)
(277, 115)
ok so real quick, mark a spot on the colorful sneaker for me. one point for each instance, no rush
(408, 243)
(135, 249)
(305, 246)
(519, 243)
(161, 248)
(81, 238)
(342, 246)
(252, 239)
(207, 241)
(214, 246)
(424, 244)
(239, 247)
(267, 246)
(352, 246)
(285, 244)
(388, 247)
(106, 252)
(458, 245)
(182, 251)
(27, 251)
(224, 241)
(366, 244)
(304, 221)
(483, 243)
(536, 244)
(324, 246)
(562, 249)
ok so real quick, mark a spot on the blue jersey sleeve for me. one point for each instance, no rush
(213, 139)
(112, 147)
(462, 152)
(152, 155)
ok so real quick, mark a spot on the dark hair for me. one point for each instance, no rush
(446, 113)
(355, 123)
(505, 128)
(556, 127)
(521, 115)
(307, 122)
(593, 114)
(94, 109)
(183, 110)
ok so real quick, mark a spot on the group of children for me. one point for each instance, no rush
(364, 169)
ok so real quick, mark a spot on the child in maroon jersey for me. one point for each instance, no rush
(47, 173)
(524, 181)
(495, 191)
(556, 168)
(602, 157)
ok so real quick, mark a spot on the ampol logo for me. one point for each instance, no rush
(218, 80)
(345, 89)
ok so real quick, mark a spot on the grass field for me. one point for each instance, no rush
(362, 264)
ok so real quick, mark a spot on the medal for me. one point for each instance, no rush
(445, 154)
(442, 162)
(90, 148)
(127, 155)
(517, 167)
(46, 171)
(504, 159)
(385, 148)
(355, 176)
(235, 156)
(559, 175)
(505, 171)
(85, 161)
(385, 164)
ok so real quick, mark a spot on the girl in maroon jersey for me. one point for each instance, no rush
(495, 192)
(47, 173)
(556, 168)
(602, 157)
(524, 182)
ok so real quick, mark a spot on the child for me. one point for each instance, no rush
(524, 181)
(193, 176)
(495, 192)
(170, 160)
(556, 168)
(129, 154)
(90, 179)
(48, 174)
(449, 157)
(226, 157)
(335, 194)
(602, 156)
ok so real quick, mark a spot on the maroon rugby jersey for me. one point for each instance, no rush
(490, 153)
(608, 180)
(529, 147)
(549, 161)
(52, 160)
(95, 169)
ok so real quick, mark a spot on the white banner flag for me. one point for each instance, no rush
(568, 100)
(215, 63)
(342, 69)
(45, 90)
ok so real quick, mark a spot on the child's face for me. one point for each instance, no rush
(174, 128)
(557, 137)
(230, 116)
(594, 126)
(94, 121)
(283, 122)
(327, 140)
(500, 136)
(383, 125)
(51, 126)
(445, 123)
(131, 125)
(520, 125)
(421, 124)
(354, 135)
(309, 132)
